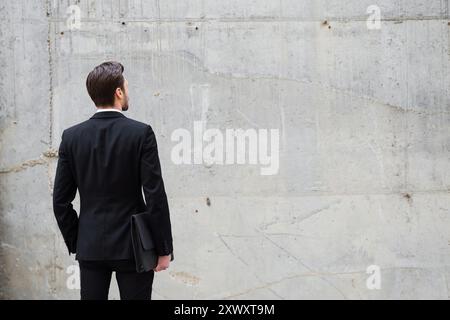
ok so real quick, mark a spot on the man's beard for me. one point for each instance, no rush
(125, 105)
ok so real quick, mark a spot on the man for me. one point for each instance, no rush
(110, 158)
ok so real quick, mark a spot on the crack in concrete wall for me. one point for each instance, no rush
(44, 159)
(50, 71)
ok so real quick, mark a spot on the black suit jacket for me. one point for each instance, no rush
(110, 158)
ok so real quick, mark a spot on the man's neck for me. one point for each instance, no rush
(115, 108)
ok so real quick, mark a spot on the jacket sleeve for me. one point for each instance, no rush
(64, 191)
(155, 195)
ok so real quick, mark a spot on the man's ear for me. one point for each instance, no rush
(119, 93)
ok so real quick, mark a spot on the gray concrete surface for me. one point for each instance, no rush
(363, 116)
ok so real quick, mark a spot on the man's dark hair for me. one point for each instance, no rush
(102, 82)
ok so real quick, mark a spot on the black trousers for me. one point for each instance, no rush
(95, 279)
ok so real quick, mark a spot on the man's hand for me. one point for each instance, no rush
(163, 263)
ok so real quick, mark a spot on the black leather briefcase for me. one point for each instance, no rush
(143, 246)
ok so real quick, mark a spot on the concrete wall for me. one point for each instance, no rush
(363, 116)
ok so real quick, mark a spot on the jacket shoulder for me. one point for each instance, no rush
(140, 127)
(135, 126)
(74, 128)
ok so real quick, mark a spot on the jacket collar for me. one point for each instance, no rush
(107, 114)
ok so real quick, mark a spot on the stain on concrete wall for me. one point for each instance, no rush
(364, 150)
